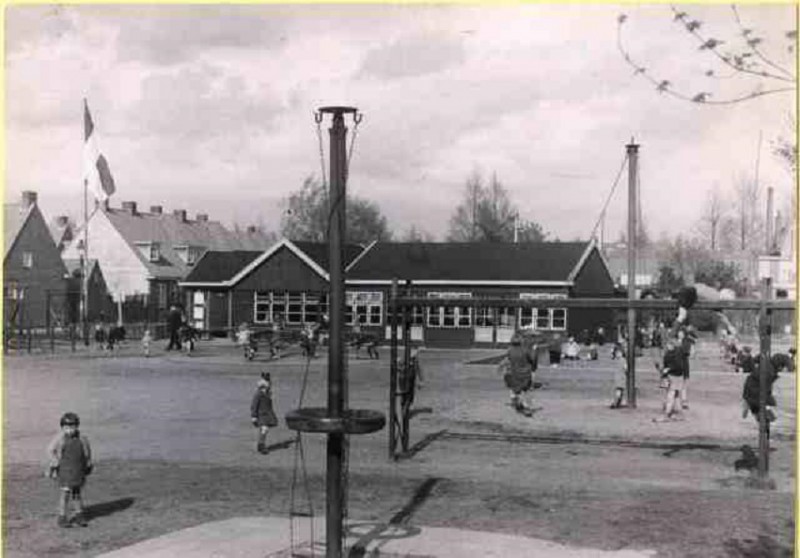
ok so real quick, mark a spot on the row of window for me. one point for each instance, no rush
(367, 308)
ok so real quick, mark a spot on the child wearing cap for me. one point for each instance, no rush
(262, 412)
(70, 462)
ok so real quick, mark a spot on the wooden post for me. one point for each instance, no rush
(48, 324)
(630, 388)
(764, 331)
(393, 374)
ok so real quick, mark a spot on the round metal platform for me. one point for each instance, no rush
(352, 421)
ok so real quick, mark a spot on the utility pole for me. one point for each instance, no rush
(633, 157)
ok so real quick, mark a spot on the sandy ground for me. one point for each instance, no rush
(174, 448)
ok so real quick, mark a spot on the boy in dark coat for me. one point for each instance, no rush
(752, 385)
(70, 462)
(521, 364)
(261, 411)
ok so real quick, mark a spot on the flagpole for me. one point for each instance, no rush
(84, 278)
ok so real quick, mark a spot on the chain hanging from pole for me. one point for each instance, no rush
(318, 120)
(356, 121)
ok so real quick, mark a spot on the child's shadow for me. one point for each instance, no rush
(748, 461)
(107, 508)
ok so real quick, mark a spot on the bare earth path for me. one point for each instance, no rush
(174, 449)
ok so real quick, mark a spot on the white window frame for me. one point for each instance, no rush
(27, 260)
(450, 317)
(364, 308)
(155, 251)
(265, 303)
(539, 319)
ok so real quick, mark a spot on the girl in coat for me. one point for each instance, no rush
(70, 462)
(261, 411)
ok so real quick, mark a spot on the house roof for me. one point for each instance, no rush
(542, 262)
(14, 217)
(217, 267)
(226, 270)
(61, 233)
(73, 265)
(170, 231)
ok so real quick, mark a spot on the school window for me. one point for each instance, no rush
(155, 251)
(417, 315)
(484, 317)
(449, 316)
(363, 307)
(12, 291)
(292, 308)
(506, 316)
(543, 318)
(27, 260)
(262, 307)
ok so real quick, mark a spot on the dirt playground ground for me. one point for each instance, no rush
(174, 448)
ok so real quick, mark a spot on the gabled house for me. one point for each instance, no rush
(34, 276)
(100, 305)
(287, 283)
(144, 254)
(290, 283)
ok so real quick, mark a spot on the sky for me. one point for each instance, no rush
(211, 108)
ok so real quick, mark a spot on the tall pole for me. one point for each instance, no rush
(633, 159)
(764, 330)
(336, 368)
(85, 265)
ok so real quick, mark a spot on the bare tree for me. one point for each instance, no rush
(711, 219)
(308, 216)
(487, 214)
(743, 58)
(464, 222)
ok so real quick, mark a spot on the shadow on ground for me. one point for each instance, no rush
(107, 508)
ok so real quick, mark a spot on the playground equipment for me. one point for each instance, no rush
(402, 390)
(337, 420)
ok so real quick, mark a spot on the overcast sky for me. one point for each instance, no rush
(210, 108)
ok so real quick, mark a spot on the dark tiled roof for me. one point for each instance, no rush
(541, 261)
(318, 251)
(216, 267)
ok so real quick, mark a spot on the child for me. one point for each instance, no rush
(147, 340)
(751, 394)
(70, 462)
(521, 365)
(673, 370)
(620, 375)
(246, 340)
(261, 411)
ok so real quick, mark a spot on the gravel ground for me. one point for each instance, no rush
(174, 449)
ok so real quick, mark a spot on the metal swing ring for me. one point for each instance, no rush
(318, 117)
(357, 116)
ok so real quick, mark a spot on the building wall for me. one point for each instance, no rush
(593, 281)
(283, 271)
(46, 275)
(124, 272)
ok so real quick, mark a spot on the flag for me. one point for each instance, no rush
(96, 172)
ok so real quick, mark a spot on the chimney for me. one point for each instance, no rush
(202, 217)
(62, 220)
(28, 199)
(129, 207)
(251, 229)
(180, 214)
(156, 209)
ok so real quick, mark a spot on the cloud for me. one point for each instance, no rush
(170, 35)
(416, 55)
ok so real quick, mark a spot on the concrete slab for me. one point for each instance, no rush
(269, 537)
